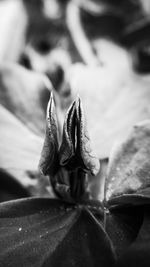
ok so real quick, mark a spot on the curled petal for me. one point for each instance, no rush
(84, 148)
(67, 149)
(76, 151)
(49, 156)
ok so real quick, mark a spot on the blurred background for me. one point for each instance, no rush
(95, 48)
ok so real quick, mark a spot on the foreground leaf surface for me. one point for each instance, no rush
(44, 232)
(122, 226)
(137, 255)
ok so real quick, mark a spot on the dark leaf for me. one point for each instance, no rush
(10, 188)
(122, 226)
(44, 232)
(137, 255)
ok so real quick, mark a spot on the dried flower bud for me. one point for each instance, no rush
(69, 165)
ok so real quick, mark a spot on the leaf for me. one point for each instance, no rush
(114, 96)
(19, 155)
(127, 190)
(24, 93)
(129, 168)
(13, 24)
(10, 188)
(138, 253)
(44, 232)
(22, 115)
(122, 226)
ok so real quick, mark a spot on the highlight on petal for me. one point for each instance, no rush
(75, 151)
(129, 168)
(84, 147)
(49, 157)
(67, 149)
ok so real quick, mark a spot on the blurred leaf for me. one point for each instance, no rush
(25, 94)
(13, 25)
(114, 97)
(23, 100)
(129, 168)
(10, 188)
(19, 150)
